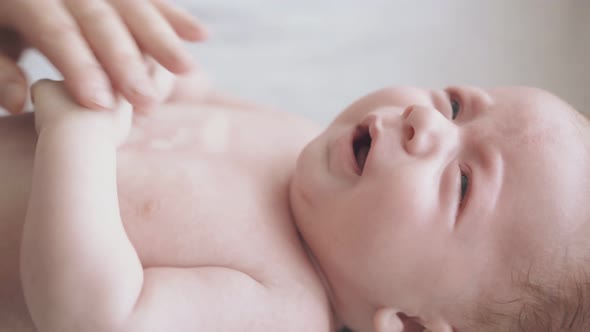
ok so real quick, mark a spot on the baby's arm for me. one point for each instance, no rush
(79, 270)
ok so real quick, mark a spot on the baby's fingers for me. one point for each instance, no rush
(49, 94)
(49, 97)
(13, 86)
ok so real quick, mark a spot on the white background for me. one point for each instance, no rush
(314, 57)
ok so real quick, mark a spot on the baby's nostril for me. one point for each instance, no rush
(407, 112)
(409, 132)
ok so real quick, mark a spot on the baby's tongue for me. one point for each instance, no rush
(362, 156)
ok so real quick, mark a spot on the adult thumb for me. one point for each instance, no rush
(13, 85)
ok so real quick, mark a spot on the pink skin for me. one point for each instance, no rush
(98, 47)
(398, 239)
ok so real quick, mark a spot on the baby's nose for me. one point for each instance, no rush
(427, 131)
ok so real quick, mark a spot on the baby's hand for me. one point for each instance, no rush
(98, 45)
(54, 108)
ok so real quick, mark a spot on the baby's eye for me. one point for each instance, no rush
(464, 187)
(456, 108)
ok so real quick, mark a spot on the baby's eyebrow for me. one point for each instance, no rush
(439, 99)
(475, 100)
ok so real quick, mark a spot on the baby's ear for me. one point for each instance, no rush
(392, 320)
(439, 326)
(387, 320)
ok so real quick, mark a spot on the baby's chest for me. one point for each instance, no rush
(191, 220)
(189, 201)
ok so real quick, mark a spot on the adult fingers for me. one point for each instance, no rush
(186, 26)
(13, 85)
(11, 43)
(50, 28)
(115, 48)
(164, 80)
(158, 39)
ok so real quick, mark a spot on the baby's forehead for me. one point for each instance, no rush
(535, 112)
(545, 191)
(529, 99)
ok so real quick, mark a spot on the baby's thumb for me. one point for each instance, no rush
(50, 93)
(13, 86)
(39, 90)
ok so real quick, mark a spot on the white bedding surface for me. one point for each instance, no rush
(314, 57)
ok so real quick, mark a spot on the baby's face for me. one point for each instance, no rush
(458, 189)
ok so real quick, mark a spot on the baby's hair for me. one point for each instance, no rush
(565, 308)
(561, 307)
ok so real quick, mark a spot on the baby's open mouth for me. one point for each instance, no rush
(361, 144)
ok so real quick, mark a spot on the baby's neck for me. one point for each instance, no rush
(336, 322)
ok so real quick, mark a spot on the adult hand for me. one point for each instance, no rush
(99, 45)
(13, 84)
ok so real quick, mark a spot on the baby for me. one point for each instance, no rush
(462, 209)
